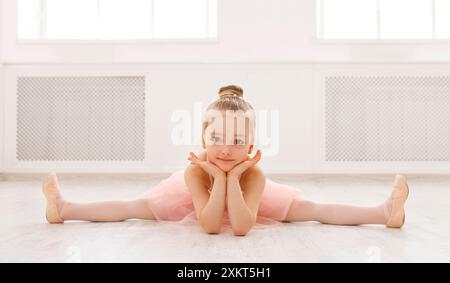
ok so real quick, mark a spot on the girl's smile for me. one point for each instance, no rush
(225, 160)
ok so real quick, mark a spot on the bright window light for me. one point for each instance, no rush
(116, 19)
(442, 19)
(188, 20)
(383, 19)
(69, 19)
(125, 19)
(406, 19)
(30, 14)
(350, 19)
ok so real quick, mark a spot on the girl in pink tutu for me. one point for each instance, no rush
(224, 186)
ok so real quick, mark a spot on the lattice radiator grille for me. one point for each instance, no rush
(80, 118)
(404, 118)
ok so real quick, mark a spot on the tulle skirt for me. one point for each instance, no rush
(170, 200)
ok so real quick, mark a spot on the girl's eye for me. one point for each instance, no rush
(237, 141)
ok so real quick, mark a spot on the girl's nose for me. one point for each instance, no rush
(225, 150)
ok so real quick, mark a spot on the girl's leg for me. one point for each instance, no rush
(303, 210)
(391, 212)
(58, 210)
(109, 211)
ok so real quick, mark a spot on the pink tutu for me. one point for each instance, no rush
(170, 200)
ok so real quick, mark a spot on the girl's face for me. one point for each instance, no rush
(228, 141)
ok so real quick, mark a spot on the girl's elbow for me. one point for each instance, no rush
(211, 231)
(244, 228)
(242, 231)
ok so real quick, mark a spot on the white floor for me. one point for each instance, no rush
(25, 236)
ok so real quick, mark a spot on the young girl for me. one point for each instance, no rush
(223, 186)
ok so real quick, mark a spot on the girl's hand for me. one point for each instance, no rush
(243, 166)
(207, 166)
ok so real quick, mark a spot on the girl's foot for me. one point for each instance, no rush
(394, 207)
(55, 202)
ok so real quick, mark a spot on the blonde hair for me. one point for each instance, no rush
(231, 91)
(231, 98)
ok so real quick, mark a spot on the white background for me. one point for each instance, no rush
(267, 46)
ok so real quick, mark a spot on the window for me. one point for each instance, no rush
(383, 19)
(442, 18)
(116, 19)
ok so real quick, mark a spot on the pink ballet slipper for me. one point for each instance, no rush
(51, 191)
(398, 197)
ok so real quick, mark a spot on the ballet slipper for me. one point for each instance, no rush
(398, 197)
(51, 192)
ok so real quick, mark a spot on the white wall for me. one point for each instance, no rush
(295, 91)
(267, 46)
(286, 89)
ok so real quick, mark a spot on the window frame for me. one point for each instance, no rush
(212, 15)
(319, 31)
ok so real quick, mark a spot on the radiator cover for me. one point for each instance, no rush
(99, 118)
(387, 118)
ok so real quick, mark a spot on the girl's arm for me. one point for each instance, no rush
(243, 210)
(211, 216)
(208, 207)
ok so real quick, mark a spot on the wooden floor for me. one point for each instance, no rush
(25, 236)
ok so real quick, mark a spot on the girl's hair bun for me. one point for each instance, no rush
(231, 91)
